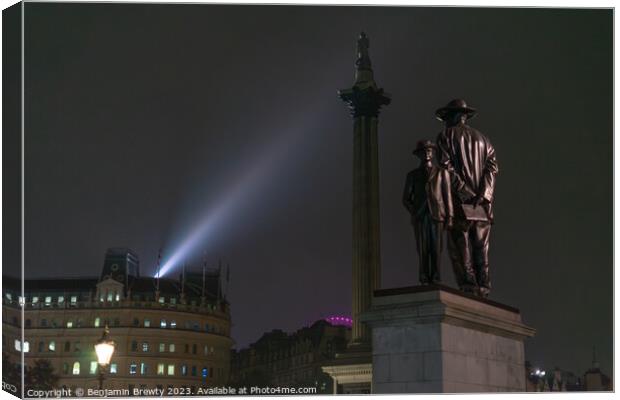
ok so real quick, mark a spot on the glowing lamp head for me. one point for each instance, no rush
(104, 348)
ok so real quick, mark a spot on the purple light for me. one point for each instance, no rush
(339, 321)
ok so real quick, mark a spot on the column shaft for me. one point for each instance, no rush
(366, 245)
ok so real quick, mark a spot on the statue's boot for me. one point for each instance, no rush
(484, 280)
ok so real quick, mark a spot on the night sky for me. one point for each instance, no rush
(146, 121)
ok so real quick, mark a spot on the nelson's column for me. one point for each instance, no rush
(352, 370)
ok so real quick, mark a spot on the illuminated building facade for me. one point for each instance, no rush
(168, 333)
(292, 360)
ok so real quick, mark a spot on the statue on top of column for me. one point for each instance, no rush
(363, 60)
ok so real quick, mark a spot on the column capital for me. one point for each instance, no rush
(364, 102)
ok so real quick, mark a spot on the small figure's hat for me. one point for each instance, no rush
(454, 106)
(423, 145)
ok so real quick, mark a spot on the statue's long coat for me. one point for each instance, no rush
(470, 158)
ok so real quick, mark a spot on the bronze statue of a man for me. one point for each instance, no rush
(470, 158)
(428, 198)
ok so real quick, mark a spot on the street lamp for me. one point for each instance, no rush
(104, 349)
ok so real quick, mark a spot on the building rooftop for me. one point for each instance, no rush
(192, 287)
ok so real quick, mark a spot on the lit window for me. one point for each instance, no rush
(9, 296)
(26, 347)
(145, 346)
(170, 369)
(117, 297)
(110, 296)
(147, 322)
(162, 347)
(73, 299)
(162, 300)
(93, 367)
(61, 299)
(171, 347)
(184, 370)
(173, 324)
(76, 368)
(113, 368)
(18, 345)
(133, 367)
(143, 368)
(160, 369)
(21, 300)
(52, 346)
(101, 298)
(162, 324)
(97, 322)
(48, 300)
(206, 349)
(205, 372)
(69, 324)
(35, 300)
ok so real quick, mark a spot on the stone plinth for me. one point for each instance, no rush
(435, 339)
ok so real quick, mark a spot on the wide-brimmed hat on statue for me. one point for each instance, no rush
(423, 145)
(456, 105)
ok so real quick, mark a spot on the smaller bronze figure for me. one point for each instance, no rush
(428, 198)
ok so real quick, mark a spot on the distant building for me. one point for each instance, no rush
(292, 360)
(538, 380)
(594, 380)
(168, 333)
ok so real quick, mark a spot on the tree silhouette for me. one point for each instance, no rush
(40, 376)
(12, 375)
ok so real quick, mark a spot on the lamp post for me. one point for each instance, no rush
(104, 349)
